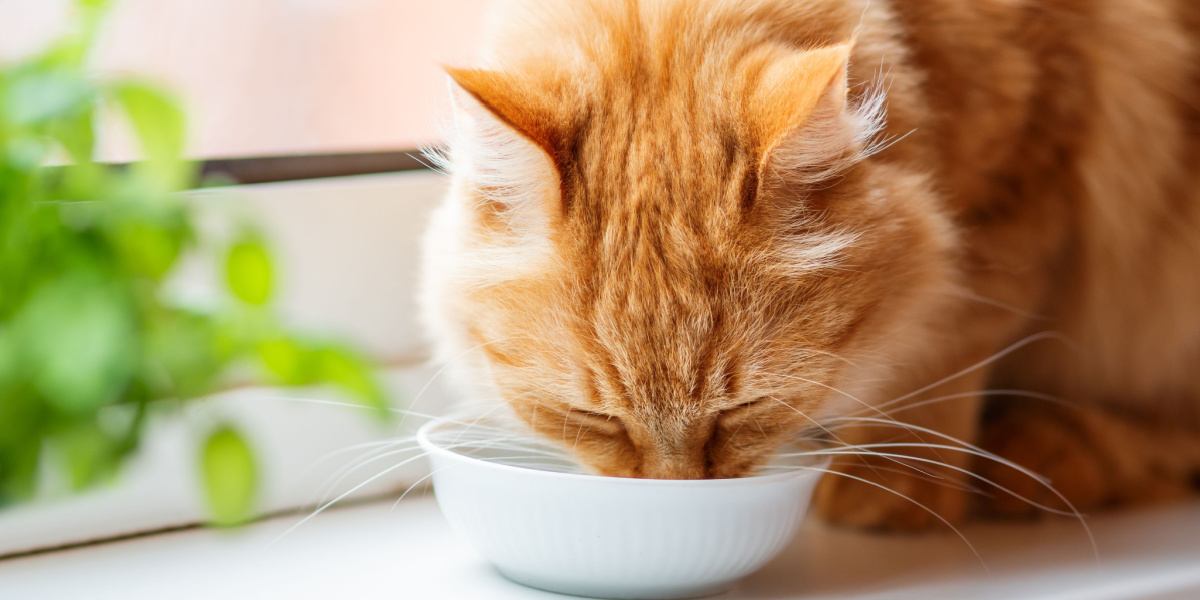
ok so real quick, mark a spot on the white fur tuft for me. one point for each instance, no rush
(801, 254)
(834, 140)
(500, 164)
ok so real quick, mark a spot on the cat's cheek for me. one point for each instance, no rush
(608, 455)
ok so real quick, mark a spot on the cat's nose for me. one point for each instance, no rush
(673, 448)
(673, 465)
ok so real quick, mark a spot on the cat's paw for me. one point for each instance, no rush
(901, 496)
(1057, 446)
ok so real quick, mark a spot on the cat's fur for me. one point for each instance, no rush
(680, 234)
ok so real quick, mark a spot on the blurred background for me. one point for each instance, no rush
(285, 224)
(269, 77)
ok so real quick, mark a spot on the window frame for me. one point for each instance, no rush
(159, 489)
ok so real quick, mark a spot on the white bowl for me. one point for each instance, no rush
(609, 536)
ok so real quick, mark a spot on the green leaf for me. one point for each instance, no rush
(230, 477)
(35, 96)
(8, 365)
(159, 126)
(72, 48)
(248, 270)
(25, 153)
(288, 361)
(89, 455)
(353, 375)
(182, 354)
(77, 134)
(19, 470)
(79, 340)
(149, 245)
(20, 411)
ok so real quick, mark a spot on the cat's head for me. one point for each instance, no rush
(670, 266)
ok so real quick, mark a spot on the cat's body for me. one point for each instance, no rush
(668, 229)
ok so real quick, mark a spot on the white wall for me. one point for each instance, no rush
(279, 76)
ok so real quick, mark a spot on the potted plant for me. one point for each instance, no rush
(90, 343)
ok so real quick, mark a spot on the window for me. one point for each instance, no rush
(280, 91)
(278, 77)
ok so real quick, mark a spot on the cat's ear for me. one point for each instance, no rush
(805, 129)
(504, 144)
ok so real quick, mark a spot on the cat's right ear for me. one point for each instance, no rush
(503, 145)
(805, 128)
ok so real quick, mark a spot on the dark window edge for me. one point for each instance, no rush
(269, 169)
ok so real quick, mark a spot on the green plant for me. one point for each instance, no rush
(89, 342)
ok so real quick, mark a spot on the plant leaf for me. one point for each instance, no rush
(352, 374)
(289, 362)
(248, 270)
(36, 96)
(159, 126)
(89, 455)
(181, 354)
(230, 476)
(79, 340)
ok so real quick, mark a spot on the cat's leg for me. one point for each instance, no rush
(906, 475)
(1092, 457)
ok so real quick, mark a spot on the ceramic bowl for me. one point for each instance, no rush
(611, 537)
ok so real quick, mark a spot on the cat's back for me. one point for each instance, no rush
(1073, 128)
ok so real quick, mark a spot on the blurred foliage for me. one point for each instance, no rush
(230, 476)
(88, 339)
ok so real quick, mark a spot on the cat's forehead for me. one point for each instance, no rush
(643, 154)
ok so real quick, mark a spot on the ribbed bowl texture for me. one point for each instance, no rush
(611, 537)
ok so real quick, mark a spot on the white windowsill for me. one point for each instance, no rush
(371, 551)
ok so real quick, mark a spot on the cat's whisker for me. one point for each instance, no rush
(578, 435)
(838, 439)
(359, 486)
(962, 445)
(412, 487)
(360, 446)
(967, 294)
(941, 482)
(993, 392)
(424, 478)
(402, 411)
(346, 470)
(832, 355)
(916, 503)
(343, 495)
(474, 423)
(450, 362)
(848, 395)
(982, 453)
(1023, 342)
(964, 471)
(389, 450)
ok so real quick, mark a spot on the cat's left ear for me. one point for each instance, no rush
(505, 144)
(803, 124)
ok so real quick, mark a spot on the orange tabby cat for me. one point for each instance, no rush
(683, 233)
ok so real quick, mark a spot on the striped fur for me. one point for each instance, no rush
(666, 212)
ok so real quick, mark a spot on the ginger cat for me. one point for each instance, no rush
(682, 233)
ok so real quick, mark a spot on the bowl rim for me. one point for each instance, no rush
(432, 448)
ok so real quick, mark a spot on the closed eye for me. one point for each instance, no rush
(597, 420)
(747, 404)
(744, 408)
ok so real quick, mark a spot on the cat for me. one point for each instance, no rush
(948, 237)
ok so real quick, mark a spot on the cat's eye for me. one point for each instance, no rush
(593, 419)
(745, 407)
